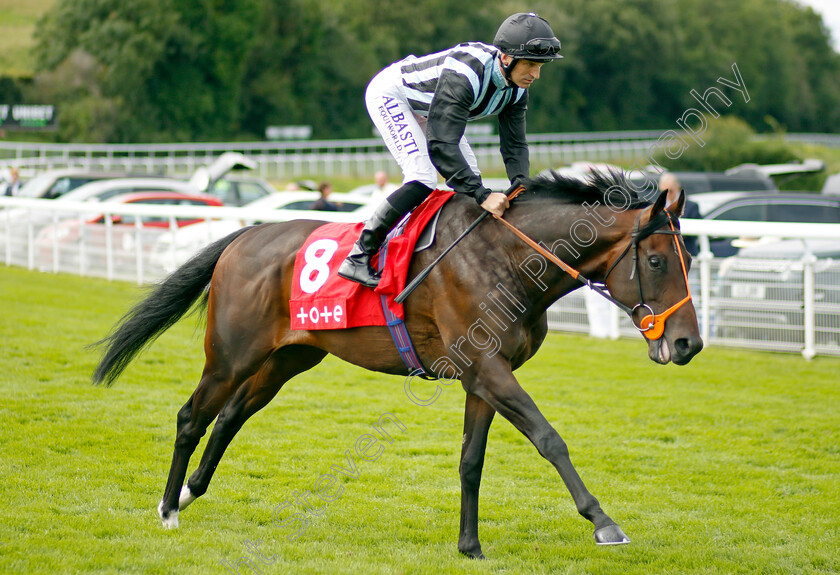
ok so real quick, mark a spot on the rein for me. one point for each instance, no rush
(652, 326)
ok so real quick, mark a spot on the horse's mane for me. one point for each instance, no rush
(606, 188)
(610, 189)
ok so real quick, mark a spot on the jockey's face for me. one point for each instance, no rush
(524, 72)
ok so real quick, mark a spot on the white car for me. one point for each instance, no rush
(104, 189)
(302, 201)
(54, 184)
(709, 201)
(172, 249)
(95, 191)
(21, 225)
(236, 190)
(364, 191)
(75, 243)
(372, 191)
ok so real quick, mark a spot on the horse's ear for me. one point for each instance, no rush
(679, 205)
(658, 205)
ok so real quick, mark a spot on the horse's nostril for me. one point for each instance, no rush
(688, 346)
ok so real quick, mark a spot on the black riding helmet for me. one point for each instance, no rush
(526, 36)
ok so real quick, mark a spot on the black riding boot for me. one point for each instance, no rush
(357, 265)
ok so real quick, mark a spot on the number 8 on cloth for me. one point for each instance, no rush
(316, 271)
(320, 298)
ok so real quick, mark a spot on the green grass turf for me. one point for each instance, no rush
(728, 465)
(17, 25)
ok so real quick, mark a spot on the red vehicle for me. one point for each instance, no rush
(81, 245)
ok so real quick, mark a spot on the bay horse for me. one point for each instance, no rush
(250, 350)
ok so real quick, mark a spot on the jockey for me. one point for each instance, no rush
(421, 106)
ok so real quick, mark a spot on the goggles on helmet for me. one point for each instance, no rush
(540, 47)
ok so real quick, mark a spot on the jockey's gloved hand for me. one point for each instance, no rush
(483, 193)
(496, 203)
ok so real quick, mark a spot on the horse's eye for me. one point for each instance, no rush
(655, 262)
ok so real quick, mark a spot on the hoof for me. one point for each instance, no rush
(474, 553)
(185, 498)
(169, 521)
(611, 535)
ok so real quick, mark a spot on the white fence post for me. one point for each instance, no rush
(8, 237)
(30, 237)
(705, 257)
(173, 227)
(615, 318)
(138, 247)
(55, 262)
(109, 245)
(808, 261)
(82, 246)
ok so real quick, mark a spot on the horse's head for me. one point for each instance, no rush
(650, 276)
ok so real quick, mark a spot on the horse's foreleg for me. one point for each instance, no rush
(252, 396)
(497, 385)
(478, 415)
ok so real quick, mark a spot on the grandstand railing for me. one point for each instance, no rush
(285, 160)
(359, 157)
(783, 305)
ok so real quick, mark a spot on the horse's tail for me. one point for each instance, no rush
(167, 303)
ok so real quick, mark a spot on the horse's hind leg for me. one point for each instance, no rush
(192, 421)
(252, 396)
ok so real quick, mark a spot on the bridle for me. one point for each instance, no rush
(651, 326)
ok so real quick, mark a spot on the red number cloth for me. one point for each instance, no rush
(323, 300)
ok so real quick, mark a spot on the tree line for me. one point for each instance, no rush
(209, 70)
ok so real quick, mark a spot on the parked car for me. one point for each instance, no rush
(787, 207)
(364, 191)
(706, 182)
(95, 191)
(710, 201)
(237, 190)
(807, 166)
(19, 224)
(54, 184)
(105, 189)
(832, 185)
(174, 248)
(304, 200)
(205, 176)
(82, 242)
(760, 293)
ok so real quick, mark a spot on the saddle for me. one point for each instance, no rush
(323, 300)
(427, 236)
